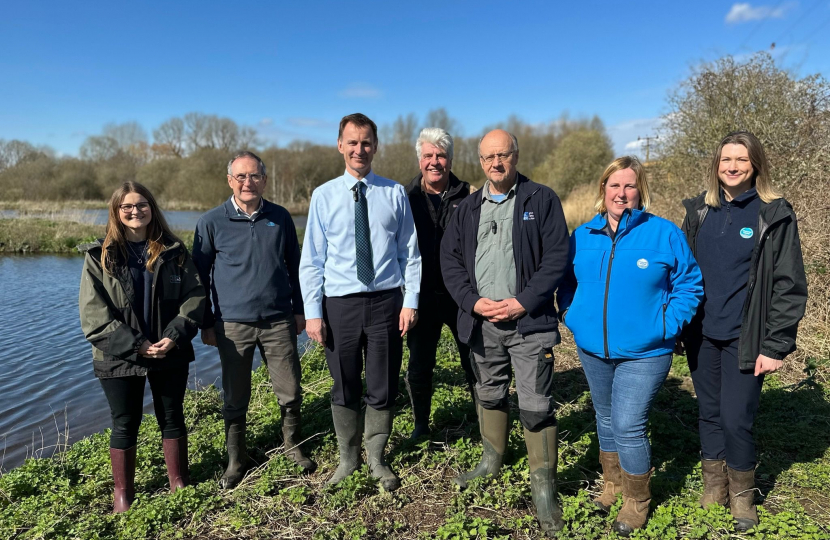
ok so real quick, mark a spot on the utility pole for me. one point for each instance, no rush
(648, 143)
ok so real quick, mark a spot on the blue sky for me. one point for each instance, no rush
(291, 70)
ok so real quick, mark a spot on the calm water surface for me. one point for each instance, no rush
(48, 393)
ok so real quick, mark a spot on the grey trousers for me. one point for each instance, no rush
(277, 341)
(497, 346)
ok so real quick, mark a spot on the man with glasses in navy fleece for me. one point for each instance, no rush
(248, 254)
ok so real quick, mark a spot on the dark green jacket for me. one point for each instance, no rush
(777, 286)
(110, 323)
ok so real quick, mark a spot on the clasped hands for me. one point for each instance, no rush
(499, 310)
(156, 350)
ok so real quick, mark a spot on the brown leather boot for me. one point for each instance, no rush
(636, 490)
(175, 457)
(742, 499)
(612, 480)
(715, 482)
(291, 424)
(123, 476)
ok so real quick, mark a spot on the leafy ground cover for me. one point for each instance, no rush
(69, 495)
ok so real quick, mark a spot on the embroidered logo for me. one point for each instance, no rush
(175, 279)
(528, 216)
(272, 224)
(747, 232)
(642, 263)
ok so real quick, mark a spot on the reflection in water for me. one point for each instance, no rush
(48, 393)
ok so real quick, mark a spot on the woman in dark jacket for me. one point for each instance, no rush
(745, 238)
(141, 303)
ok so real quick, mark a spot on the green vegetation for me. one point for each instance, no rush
(69, 495)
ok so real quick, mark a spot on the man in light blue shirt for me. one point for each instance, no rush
(360, 275)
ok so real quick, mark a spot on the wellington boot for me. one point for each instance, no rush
(237, 452)
(636, 490)
(420, 395)
(347, 427)
(494, 427)
(378, 430)
(175, 457)
(542, 457)
(715, 482)
(291, 422)
(611, 480)
(742, 499)
(123, 476)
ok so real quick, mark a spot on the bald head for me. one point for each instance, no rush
(498, 153)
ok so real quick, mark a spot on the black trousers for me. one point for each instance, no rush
(126, 399)
(434, 311)
(728, 401)
(364, 325)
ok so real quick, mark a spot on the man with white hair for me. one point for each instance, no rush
(433, 195)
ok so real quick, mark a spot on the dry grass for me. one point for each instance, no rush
(579, 206)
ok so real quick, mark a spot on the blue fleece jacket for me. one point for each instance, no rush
(250, 267)
(629, 297)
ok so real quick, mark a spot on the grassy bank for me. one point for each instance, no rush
(25, 235)
(69, 496)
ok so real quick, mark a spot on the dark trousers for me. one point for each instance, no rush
(364, 325)
(434, 311)
(126, 399)
(728, 401)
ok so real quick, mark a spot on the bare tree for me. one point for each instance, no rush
(170, 137)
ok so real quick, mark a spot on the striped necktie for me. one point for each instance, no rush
(362, 240)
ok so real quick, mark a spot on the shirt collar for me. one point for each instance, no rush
(241, 212)
(511, 192)
(350, 180)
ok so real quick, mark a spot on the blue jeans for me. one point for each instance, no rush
(622, 392)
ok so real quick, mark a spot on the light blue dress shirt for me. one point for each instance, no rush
(327, 264)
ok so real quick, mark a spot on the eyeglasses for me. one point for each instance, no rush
(255, 178)
(503, 156)
(128, 208)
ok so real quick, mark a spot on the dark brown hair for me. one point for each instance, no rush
(359, 120)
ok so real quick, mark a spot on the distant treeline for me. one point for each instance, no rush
(187, 159)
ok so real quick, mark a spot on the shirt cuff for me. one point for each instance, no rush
(313, 311)
(410, 300)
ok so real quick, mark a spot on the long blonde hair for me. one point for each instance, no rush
(758, 159)
(158, 232)
(620, 164)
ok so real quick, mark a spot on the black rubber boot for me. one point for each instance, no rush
(378, 430)
(542, 457)
(420, 395)
(347, 427)
(291, 422)
(237, 452)
(494, 427)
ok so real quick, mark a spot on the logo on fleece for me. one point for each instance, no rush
(642, 263)
(272, 224)
(746, 232)
(528, 216)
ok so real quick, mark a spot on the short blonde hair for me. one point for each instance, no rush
(763, 184)
(620, 164)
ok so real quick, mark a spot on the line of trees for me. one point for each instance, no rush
(187, 157)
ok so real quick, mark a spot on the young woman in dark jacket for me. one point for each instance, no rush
(141, 303)
(744, 236)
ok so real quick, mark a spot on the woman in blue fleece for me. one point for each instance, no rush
(633, 286)
(745, 236)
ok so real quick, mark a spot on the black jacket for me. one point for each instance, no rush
(431, 225)
(777, 287)
(540, 250)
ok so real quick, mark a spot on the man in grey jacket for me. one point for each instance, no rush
(248, 255)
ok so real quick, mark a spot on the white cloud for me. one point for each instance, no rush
(624, 135)
(360, 90)
(266, 121)
(744, 12)
(635, 145)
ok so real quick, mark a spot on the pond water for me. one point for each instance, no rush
(49, 395)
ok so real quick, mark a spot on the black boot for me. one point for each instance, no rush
(494, 427)
(291, 422)
(378, 430)
(421, 397)
(347, 427)
(542, 457)
(237, 452)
